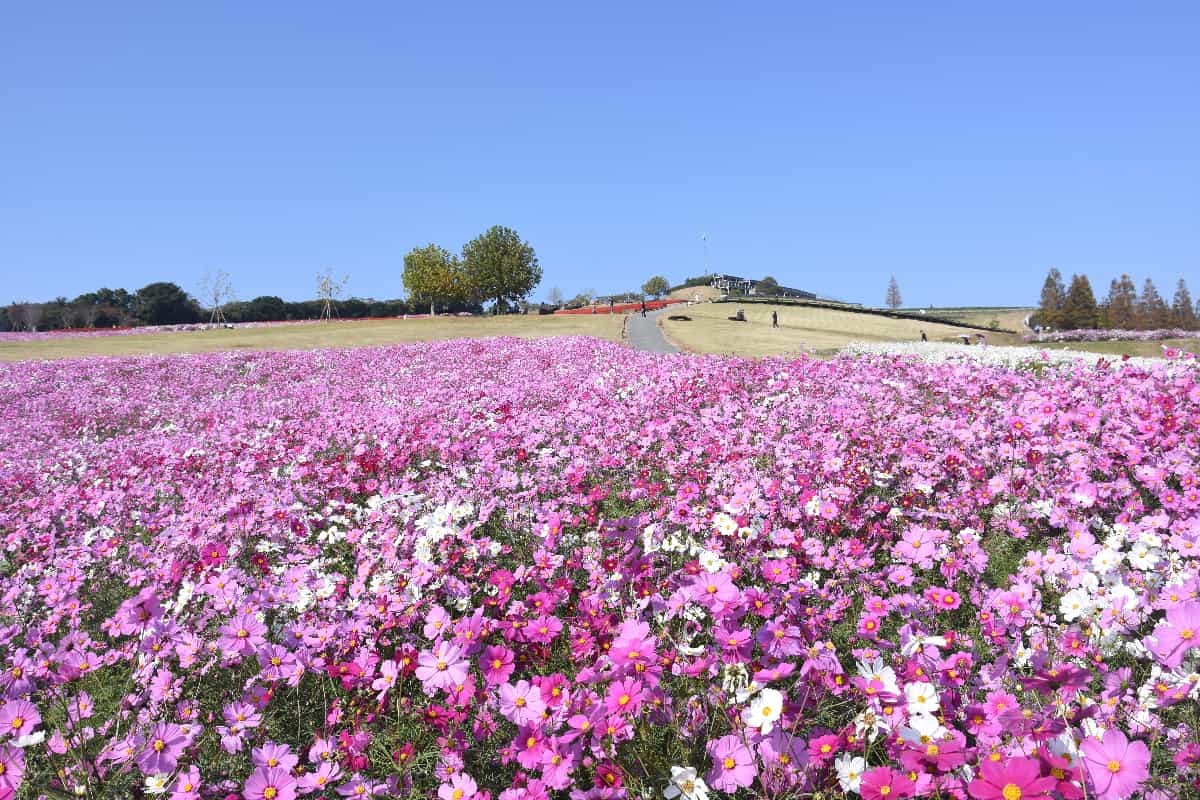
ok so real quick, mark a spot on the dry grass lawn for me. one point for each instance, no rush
(800, 329)
(1012, 319)
(350, 333)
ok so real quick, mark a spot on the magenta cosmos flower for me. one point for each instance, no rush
(1115, 765)
(882, 783)
(270, 783)
(1015, 779)
(733, 764)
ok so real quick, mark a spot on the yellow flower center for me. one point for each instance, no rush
(159, 745)
(1011, 791)
(729, 763)
(1114, 766)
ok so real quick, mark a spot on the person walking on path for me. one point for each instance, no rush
(774, 319)
(643, 308)
(924, 338)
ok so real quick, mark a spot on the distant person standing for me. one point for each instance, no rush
(643, 308)
(774, 319)
(924, 338)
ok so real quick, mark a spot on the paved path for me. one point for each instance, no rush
(643, 333)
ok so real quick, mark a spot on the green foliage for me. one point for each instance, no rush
(499, 266)
(1079, 307)
(656, 287)
(164, 303)
(433, 275)
(1050, 307)
(767, 286)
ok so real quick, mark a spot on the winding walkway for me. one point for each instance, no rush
(643, 333)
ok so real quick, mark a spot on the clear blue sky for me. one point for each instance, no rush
(830, 145)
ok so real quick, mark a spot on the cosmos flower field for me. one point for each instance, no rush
(522, 570)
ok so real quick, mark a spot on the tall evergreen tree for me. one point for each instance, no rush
(893, 298)
(1079, 307)
(1049, 313)
(1152, 309)
(1121, 306)
(1182, 313)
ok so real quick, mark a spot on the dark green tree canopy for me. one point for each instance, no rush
(499, 266)
(165, 303)
(1079, 308)
(767, 286)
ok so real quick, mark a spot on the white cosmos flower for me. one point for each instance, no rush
(870, 724)
(923, 729)
(922, 698)
(157, 784)
(850, 771)
(685, 784)
(30, 739)
(1076, 603)
(1106, 560)
(765, 709)
(1143, 556)
(876, 670)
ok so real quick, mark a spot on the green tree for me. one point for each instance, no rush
(1050, 307)
(164, 303)
(656, 287)
(1153, 313)
(768, 287)
(1079, 307)
(433, 275)
(499, 266)
(1120, 309)
(1182, 313)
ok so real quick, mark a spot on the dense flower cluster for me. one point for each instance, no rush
(1112, 335)
(518, 570)
(1002, 356)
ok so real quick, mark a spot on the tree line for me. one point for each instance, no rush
(165, 303)
(1075, 307)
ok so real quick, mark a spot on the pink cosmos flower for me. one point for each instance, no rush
(163, 747)
(270, 783)
(242, 635)
(521, 704)
(18, 718)
(461, 787)
(1018, 777)
(732, 764)
(321, 778)
(1175, 636)
(1115, 765)
(272, 755)
(443, 668)
(187, 785)
(12, 767)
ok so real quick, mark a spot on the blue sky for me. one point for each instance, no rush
(963, 149)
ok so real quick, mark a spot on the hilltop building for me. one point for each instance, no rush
(732, 283)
